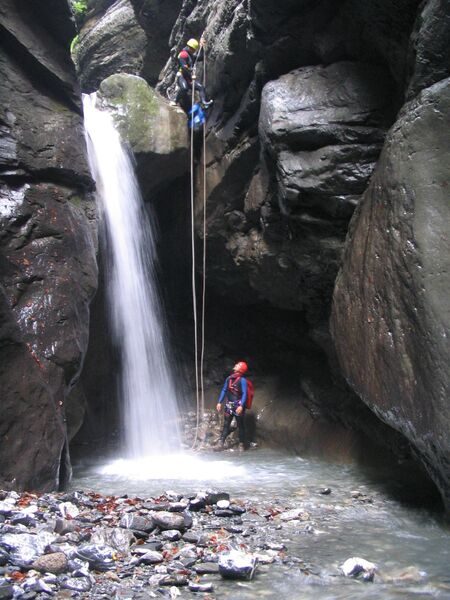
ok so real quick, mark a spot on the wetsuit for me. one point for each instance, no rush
(234, 393)
(186, 62)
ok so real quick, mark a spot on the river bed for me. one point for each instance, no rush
(344, 513)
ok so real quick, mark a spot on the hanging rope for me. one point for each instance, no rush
(194, 290)
(202, 353)
(199, 388)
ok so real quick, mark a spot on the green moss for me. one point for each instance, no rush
(136, 107)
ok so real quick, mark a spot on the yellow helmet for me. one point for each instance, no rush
(192, 43)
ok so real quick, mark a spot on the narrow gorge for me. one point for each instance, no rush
(325, 166)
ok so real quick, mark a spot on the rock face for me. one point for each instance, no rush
(48, 266)
(155, 131)
(391, 326)
(304, 95)
(109, 42)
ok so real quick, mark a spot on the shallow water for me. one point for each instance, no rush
(376, 526)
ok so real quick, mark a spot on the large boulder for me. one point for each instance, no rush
(48, 266)
(156, 132)
(109, 42)
(281, 215)
(429, 56)
(391, 309)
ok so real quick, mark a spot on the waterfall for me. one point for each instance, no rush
(147, 390)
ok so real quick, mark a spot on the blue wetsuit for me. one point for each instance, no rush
(234, 393)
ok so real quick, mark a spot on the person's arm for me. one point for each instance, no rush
(243, 399)
(184, 62)
(222, 395)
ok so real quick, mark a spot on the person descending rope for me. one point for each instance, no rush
(234, 392)
(186, 79)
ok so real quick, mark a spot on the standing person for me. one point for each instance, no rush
(187, 58)
(234, 398)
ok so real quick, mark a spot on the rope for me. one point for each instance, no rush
(194, 291)
(198, 369)
(202, 354)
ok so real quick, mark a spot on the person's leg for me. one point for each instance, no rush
(227, 418)
(183, 94)
(241, 427)
(202, 93)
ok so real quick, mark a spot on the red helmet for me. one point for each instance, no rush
(240, 367)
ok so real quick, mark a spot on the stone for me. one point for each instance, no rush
(237, 565)
(151, 557)
(355, 566)
(109, 43)
(171, 535)
(55, 562)
(206, 568)
(137, 523)
(155, 131)
(167, 520)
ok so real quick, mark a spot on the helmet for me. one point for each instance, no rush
(240, 367)
(192, 43)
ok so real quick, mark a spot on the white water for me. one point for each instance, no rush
(147, 391)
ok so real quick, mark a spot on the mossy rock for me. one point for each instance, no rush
(143, 117)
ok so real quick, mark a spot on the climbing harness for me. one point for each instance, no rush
(199, 367)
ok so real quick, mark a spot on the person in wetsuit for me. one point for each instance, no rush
(234, 397)
(187, 59)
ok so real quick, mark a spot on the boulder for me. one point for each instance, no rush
(156, 132)
(391, 307)
(109, 42)
(429, 52)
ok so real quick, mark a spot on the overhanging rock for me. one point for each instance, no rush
(156, 132)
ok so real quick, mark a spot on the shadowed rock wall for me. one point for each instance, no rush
(305, 93)
(47, 254)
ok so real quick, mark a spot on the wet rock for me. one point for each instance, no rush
(213, 497)
(6, 590)
(51, 563)
(24, 548)
(201, 587)
(171, 535)
(176, 580)
(355, 566)
(63, 526)
(67, 509)
(77, 584)
(197, 504)
(237, 565)
(167, 520)
(325, 491)
(206, 568)
(137, 523)
(155, 131)
(109, 43)
(224, 513)
(294, 514)
(151, 557)
(100, 558)
(391, 334)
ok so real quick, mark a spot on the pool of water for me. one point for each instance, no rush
(360, 517)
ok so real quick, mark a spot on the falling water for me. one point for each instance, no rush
(146, 386)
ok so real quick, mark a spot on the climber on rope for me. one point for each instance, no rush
(186, 79)
(234, 397)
